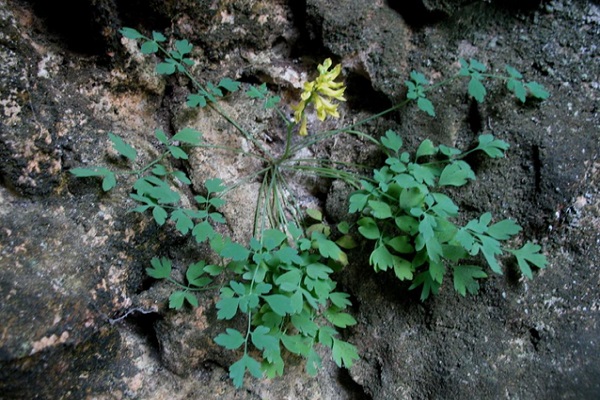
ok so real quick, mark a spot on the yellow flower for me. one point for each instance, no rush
(320, 92)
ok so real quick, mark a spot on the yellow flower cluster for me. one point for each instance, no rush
(320, 92)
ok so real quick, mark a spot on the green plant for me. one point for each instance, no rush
(410, 224)
(281, 282)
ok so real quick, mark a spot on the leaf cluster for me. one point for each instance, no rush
(410, 222)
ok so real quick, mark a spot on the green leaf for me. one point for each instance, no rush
(491, 248)
(149, 47)
(504, 229)
(476, 89)
(295, 344)
(380, 209)
(318, 271)
(188, 135)
(183, 46)
(368, 228)
(263, 340)
(392, 141)
(513, 72)
(381, 258)
(517, 88)
(529, 254)
(259, 92)
(183, 223)
(214, 185)
(401, 244)
(313, 362)
(176, 300)
(160, 135)
(402, 268)
(340, 299)
(227, 307)
(161, 268)
(305, 324)
(158, 37)
(109, 182)
(196, 100)
(160, 215)
(159, 170)
(272, 101)
(536, 90)
(279, 303)
(165, 68)
(328, 249)
(235, 251)
(231, 340)
(272, 238)
(491, 146)
(182, 177)
(203, 231)
(426, 105)
(456, 174)
(122, 148)
(131, 33)
(178, 153)
(426, 148)
(358, 201)
(194, 275)
(289, 281)
(314, 214)
(343, 227)
(229, 84)
(344, 354)
(465, 278)
(418, 78)
(339, 319)
(238, 369)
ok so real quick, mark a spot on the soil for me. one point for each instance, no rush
(82, 319)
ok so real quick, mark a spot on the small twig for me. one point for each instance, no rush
(131, 311)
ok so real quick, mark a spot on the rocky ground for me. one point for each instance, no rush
(72, 259)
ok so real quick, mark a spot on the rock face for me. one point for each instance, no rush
(80, 318)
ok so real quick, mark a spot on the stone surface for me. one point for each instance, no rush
(81, 319)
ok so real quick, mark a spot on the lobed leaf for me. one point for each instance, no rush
(122, 148)
(231, 340)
